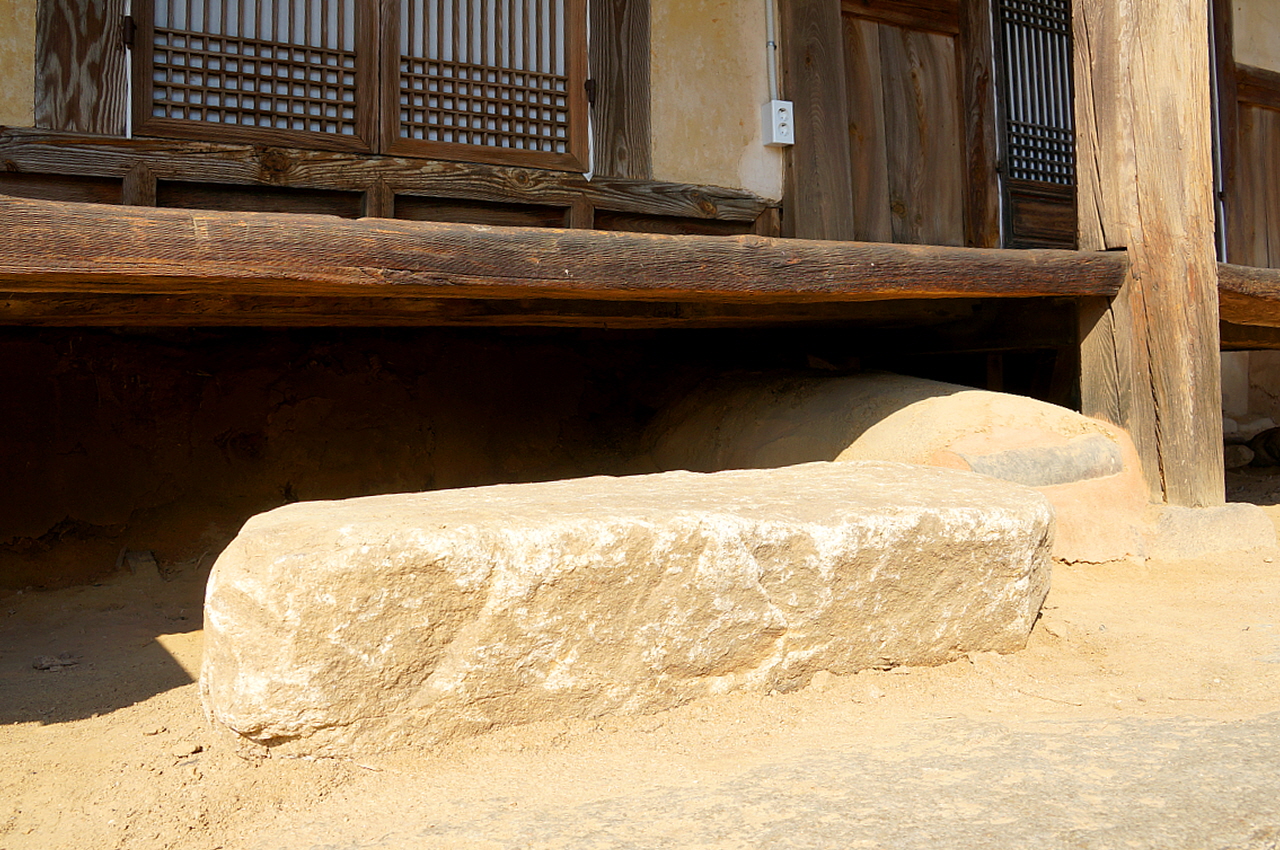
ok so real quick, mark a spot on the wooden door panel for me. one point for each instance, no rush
(867, 152)
(906, 133)
(923, 136)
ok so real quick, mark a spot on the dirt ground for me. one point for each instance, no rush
(103, 743)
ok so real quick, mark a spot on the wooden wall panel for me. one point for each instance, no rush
(819, 185)
(209, 196)
(607, 220)
(868, 159)
(1254, 240)
(55, 187)
(81, 85)
(619, 47)
(923, 134)
(471, 212)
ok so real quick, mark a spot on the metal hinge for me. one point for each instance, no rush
(129, 30)
(590, 86)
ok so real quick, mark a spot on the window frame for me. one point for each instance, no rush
(377, 100)
(146, 124)
(575, 158)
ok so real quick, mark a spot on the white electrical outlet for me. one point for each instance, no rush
(779, 124)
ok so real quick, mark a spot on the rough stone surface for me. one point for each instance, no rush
(1088, 469)
(335, 627)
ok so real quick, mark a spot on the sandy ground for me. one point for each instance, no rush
(107, 747)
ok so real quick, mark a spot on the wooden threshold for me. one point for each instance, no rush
(78, 264)
(48, 152)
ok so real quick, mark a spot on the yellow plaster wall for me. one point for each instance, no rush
(1257, 33)
(709, 81)
(17, 62)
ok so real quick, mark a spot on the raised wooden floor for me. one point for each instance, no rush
(89, 264)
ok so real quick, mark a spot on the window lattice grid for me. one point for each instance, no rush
(1041, 153)
(1039, 124)
(1049, 16)
(485, 73)
(284, 65)
(475, 105)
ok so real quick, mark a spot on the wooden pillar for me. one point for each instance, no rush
(1149, 358)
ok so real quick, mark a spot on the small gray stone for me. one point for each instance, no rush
(1235, 456)
(336, 627)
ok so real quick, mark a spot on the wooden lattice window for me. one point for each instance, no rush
(299, 72)
(480, 80)
(1038, 138)
(501, 81)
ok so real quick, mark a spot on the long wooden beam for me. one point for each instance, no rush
(93, 251)
(25, 151)
(1249, 295)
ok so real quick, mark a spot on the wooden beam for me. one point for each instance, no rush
(883, 328)
(1249, 295)
(1249, 337)
(91, 249)
(942, 16)
(1143, 117)
(41, 152)
(1258, 86)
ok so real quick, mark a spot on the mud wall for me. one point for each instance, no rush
(17, 62)
(709, 81)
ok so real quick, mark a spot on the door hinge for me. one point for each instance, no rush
(129, 30)
(590, 86)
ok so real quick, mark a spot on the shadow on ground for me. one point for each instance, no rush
(70, 654)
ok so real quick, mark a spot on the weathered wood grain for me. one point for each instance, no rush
(981, 151)
(94, 249)
(1249, 295)
(379, 201)
(272, 199)
(818, 185)
(943, 16)
(1248, 217)
(620, 67)
(138, 188)
(57, 187)
(247, 165)
(470, 212)
(1258, 86)
(868, 156)
(1227, 113)
(1143, 121)
(1041, 215)
(923, 136)
(80, 67)
(1249, 337)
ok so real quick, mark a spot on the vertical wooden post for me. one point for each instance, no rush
(982, 193)
(580, 215)
(1149, 359)
(379, 201)
(139, 187)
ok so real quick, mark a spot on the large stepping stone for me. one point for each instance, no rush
(339, 627)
